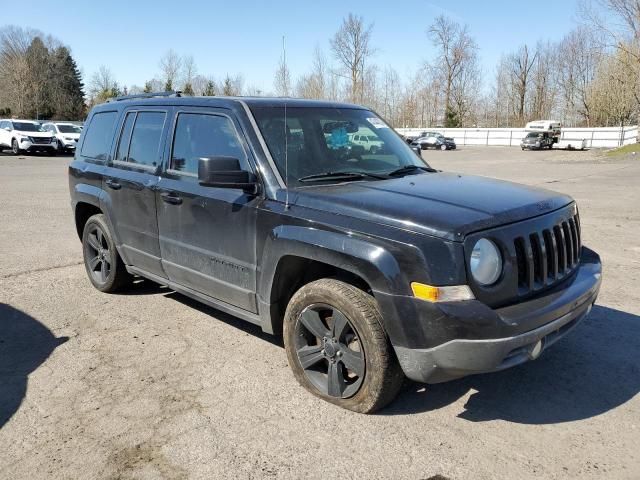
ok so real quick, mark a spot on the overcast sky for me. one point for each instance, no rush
(246, 36)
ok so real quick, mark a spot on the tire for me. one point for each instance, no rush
(14, 147)
(104, 267)
(443, 147)
(336, 329)
(373, 150)
(59, 148)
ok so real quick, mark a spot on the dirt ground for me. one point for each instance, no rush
(150, 384)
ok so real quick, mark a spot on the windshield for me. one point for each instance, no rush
(534, 135)
(320, 140)
(69, 129)
(27, 127)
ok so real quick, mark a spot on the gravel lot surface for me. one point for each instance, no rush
(153, 385)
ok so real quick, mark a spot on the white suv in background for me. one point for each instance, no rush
(67, 134)
(25, 136)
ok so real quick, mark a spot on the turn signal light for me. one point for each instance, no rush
(449, 293)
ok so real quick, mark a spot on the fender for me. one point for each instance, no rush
(371, 261)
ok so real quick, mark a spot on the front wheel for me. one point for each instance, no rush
(101, 260)
(14, 147)
(443, 147)
(337, 348)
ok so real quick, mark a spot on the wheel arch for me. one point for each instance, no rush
(294, 256)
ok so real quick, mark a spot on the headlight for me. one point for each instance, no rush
(68, 138)
(486, 262)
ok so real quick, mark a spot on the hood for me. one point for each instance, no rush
(445, 205)
(449, 139)
(35, 134)
(530, 140)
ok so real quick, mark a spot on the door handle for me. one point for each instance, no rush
(172, 198)
(113, 184)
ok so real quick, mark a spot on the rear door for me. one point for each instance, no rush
(130, 180)
(207, 234)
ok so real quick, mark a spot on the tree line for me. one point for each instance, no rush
(591, 77)
(38, 76)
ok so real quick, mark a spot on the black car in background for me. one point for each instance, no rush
(434, 140)
(373, 266)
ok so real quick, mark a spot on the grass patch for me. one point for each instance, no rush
(633, 147)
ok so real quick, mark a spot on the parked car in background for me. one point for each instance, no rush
(66, 135)
(25, 136)
(434, 140)
(371, 143)
(537, 141)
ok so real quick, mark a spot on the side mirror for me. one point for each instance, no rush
(417, 150)
(225, 172)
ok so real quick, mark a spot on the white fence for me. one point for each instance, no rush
(595, 137)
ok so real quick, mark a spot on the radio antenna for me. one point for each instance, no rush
(286, 139)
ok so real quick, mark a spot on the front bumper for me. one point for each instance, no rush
(550, 316)
(29, 146)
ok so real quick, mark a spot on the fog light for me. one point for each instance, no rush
(536, 350)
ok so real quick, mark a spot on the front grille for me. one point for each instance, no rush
(547, 256)
(40, 140)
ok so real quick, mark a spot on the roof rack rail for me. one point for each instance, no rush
(176, 93)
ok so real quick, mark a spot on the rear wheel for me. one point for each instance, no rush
(337, 348)
(443, 147)
(101, 259)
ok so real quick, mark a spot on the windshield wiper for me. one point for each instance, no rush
(340, 175)
(409, 169)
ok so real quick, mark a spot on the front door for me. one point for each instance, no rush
(130, 180)
(207, 234)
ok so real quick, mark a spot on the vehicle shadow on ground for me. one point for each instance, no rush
(142, 286)
(25, 344)
(591, 371)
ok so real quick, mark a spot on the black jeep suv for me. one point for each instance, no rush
(374, 266)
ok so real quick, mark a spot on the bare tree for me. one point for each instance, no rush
(171, 67)
(282, 80)
(102, 85)
(456, 50)
(520, 65)
(190, 70)
(14, 68)
(352, 49)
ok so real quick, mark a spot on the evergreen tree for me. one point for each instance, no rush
(147, 87)
(168, 87)
(227, 87)
(37, 57)
(66, 87)
(209, 89)
(451, 119)
(188, 89)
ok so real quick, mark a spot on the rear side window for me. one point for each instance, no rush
(97, 139)
(140, 138)
(145, 140)
(204, 135)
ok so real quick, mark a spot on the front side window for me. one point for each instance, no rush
(200, 135)
(145, 139)
(97, 140)
(328, 143)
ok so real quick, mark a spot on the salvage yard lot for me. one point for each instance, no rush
(151, 384)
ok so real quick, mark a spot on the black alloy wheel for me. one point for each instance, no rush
(98, 256)
(330, 351)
